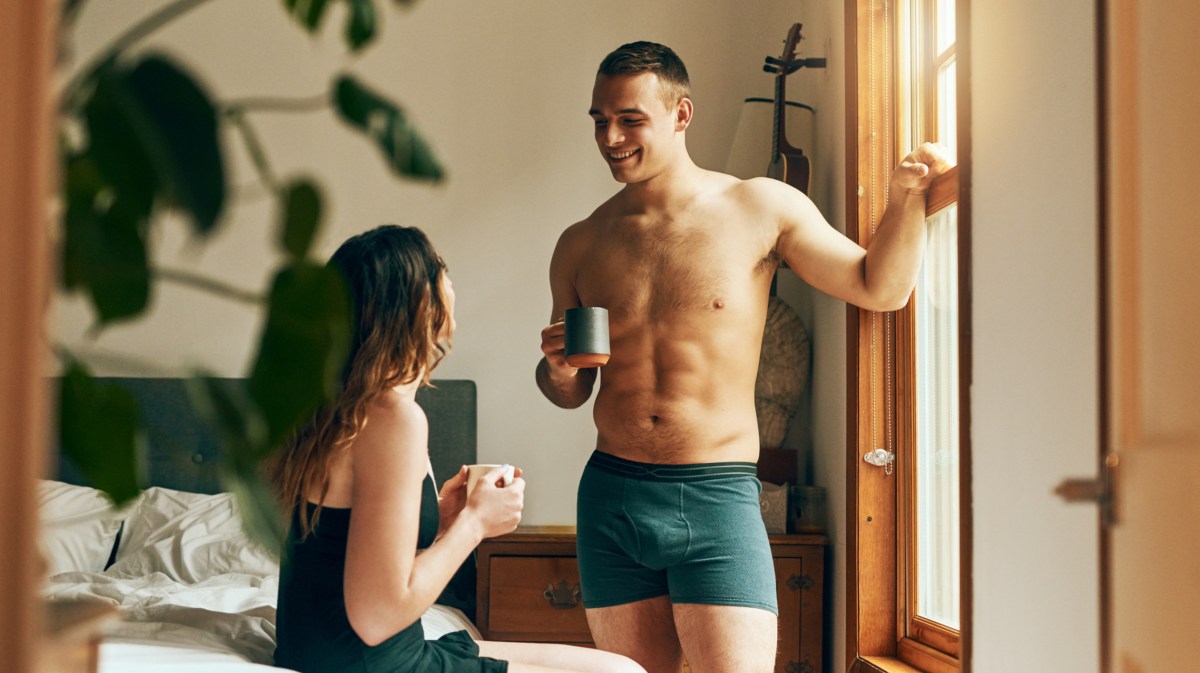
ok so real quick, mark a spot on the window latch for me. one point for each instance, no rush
(881, 458)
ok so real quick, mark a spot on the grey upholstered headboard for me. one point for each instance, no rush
(183, 451)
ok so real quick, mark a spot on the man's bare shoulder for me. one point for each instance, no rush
(584, 232)
(767, 192)
(612, 208)
(777, 202)
(575, 237)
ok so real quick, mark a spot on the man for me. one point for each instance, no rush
(673, 554)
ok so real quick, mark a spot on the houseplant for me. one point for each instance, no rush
(142, 135)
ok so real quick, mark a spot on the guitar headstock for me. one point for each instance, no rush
(789, 45)
(786, 63)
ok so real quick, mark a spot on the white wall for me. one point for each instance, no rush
(823, 444)
(1035, 389)
(502, 91)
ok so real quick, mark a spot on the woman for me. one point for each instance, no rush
(357, 483)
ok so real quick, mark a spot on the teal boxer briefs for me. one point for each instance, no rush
(691, 532)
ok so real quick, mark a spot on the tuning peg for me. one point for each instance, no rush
(771, 69)
(793, 66)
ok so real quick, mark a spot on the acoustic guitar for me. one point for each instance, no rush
(788, 163)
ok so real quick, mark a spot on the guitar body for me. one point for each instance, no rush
(792, 168)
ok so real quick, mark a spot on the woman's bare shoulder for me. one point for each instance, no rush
(393, 407)
(395, 426)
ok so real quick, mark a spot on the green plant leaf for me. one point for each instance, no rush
(360, 24)
(301, 217)
(99, 433)
(180, 133)
(308, 13)
(70, 8)
(111, 188)
(109, 254)
(303, 345)
(116, 143)
(232, 414)
(261, 516)
(242, 431)
(104, 246)
(384, 123)
(82, 186)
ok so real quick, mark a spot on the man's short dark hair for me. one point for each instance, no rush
(642, 56)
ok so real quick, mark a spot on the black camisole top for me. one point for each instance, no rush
(313, 633)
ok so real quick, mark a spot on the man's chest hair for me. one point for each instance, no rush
(657, 273)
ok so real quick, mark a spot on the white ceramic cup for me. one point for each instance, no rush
(475, 472)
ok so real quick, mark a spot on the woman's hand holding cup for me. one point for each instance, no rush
(496, 497)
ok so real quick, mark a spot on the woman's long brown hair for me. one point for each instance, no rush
(395, 281)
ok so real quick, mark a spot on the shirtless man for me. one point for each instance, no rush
(673, 554)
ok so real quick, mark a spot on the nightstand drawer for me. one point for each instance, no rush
(536, 598)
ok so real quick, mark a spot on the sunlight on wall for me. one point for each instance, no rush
(501, 90)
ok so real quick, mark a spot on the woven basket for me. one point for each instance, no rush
(782, 373)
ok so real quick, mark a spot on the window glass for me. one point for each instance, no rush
(945, 24)
(937, 450)
(947, 90)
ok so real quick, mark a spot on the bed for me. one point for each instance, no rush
(195, 594)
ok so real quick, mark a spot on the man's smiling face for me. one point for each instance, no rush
(635, 127)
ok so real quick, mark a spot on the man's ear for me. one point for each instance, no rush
(683, 114)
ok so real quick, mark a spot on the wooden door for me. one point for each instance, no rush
(1152, 300)
(27, 31)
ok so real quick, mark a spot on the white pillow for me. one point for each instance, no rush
(79, 527)
(189, 537)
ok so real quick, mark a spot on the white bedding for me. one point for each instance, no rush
(118, 657)
(194, 593)
(146, 656)
(233, 614)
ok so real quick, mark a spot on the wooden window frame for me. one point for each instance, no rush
(879, 506)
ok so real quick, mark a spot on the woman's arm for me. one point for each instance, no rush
(387, 585)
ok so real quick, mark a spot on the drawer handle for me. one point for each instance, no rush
(564, 596)
(800, 582)
(798, 667)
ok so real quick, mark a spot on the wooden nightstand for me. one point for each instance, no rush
(528, 590)
(74, 629)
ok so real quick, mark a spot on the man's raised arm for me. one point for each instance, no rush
(882, 277)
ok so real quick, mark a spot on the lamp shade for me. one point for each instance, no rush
(750, 153)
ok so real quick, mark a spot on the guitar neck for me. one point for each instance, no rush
(777, 140)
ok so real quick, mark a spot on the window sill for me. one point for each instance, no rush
(881, 665)
(895, 665)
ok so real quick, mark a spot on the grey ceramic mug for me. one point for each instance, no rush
(587, 336)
